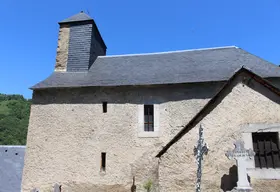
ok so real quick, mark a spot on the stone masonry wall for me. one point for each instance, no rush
(68, 131)
(62, 48)
(221, 128)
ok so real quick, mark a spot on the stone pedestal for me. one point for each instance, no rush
(240, 190)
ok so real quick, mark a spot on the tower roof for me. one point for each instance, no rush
(76, 18)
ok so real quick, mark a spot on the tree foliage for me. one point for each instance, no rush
(14, 117)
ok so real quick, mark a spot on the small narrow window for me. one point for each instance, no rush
(266, 147)
(148, 118)
(103, 161)
(104, 104)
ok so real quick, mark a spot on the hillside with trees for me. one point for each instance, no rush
(14, 117)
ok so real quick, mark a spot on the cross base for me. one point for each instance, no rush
(242, 189)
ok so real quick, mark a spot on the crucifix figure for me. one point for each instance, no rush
(240, 154)
(199, 151)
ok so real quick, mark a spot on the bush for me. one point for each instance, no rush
(148, 185)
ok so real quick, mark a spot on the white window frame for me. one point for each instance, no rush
(247, 137)
(141, 130)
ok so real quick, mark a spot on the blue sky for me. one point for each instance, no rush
(29, 29)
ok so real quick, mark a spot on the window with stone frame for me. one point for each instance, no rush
(266, 147)
(148, 118)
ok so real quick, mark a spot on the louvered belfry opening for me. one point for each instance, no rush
(266, 147)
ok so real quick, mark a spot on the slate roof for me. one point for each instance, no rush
(200, 65)
(11, 167)
(76, 18)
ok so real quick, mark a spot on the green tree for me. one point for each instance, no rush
(14, 117)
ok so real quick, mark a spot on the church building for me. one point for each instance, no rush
(114, 123)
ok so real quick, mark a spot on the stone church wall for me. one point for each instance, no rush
(68, 131)
(222, 127)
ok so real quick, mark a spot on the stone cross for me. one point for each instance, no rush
(240, 154)
(199, 151)
(57, 188)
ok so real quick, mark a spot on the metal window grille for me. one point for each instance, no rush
(148, 118)
(266, 147)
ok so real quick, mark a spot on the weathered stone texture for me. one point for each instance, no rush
(68, 131)
(265, 185)
(62, 48)
(221, 128)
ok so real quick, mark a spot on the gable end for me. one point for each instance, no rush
(243, 75)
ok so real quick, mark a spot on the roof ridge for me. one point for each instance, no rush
(167, 52)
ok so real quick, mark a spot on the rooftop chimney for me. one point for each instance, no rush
(79, 43)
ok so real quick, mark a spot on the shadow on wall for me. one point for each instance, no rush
(127, 94)
(228, 182)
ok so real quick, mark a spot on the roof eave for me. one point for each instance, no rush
(68, 22)
(35, 87)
